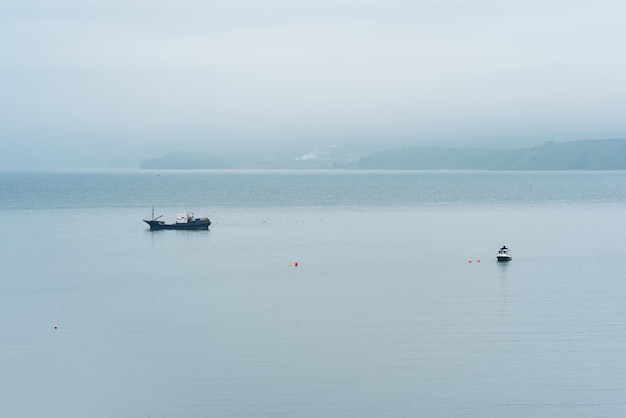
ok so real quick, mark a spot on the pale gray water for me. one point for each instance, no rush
(384, 316)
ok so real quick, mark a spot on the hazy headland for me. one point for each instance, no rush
(571, 155)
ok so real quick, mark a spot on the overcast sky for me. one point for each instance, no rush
(114, 82)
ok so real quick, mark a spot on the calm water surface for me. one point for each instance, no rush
(384, 315)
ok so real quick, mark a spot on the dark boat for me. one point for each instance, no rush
(188, 221)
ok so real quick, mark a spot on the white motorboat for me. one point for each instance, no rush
(504, 254)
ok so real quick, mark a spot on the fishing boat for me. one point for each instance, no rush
(187, 221)
(504, 254)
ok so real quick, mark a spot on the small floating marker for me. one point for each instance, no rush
(469, 261)
(56, 327)
(295, 264)
(478, 261)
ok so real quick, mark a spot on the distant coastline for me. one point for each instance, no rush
(609, 154)
(188, 160)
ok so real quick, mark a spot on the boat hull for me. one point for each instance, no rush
(198, 224)
(504, 258)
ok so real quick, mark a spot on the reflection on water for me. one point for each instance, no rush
(503, 287)
(503, 268)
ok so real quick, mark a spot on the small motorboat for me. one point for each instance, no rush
(504, 254)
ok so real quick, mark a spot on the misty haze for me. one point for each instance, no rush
(116, 83)
(298, 209)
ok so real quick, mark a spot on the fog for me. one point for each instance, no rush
(110, 83)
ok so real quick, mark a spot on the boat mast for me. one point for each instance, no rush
(153, 212)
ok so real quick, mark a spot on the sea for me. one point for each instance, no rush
(313, 294)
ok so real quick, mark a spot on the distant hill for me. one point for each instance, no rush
(187, 160)
(574, 155)
(190, 160)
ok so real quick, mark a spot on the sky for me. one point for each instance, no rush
(111, 83)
